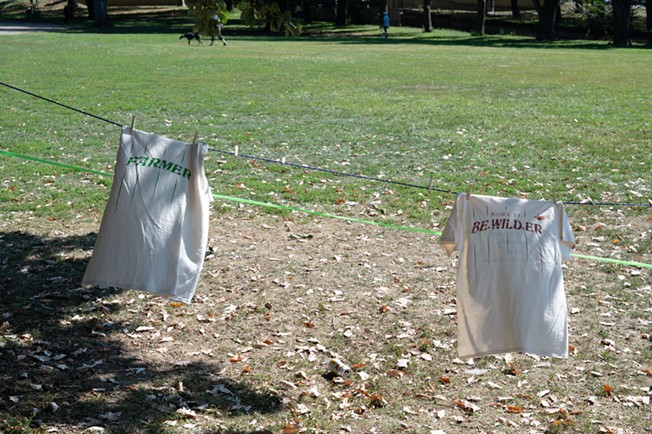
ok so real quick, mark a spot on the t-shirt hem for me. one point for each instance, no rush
(169, 295)
(545, 353)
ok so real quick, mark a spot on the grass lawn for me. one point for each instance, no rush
(281, 291)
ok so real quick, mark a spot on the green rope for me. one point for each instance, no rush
(323, 214)
(316, 213)
(613, 261)
(53, 163)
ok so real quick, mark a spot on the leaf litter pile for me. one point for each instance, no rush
(279, 297)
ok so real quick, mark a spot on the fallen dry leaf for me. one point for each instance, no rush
(638, 400)
(607, 389)
(394, 373)
(514, 409)
(292, 427)
(466, 405)
(403, 363)
(507, 422)
(378, 401)
(302, 409)
(512, 369)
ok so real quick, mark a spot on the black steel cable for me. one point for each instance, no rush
(60, 104)
(319, 169)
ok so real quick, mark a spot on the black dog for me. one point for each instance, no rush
(190, 36)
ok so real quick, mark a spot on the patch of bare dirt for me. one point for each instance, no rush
(282, 295)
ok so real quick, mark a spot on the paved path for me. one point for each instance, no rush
(13, 27)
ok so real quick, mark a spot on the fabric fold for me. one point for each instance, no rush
(154, 230)
(510, 286)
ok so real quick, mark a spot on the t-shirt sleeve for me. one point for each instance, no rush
(567, 241)
(450, 238)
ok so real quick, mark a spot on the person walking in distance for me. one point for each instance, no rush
(385, 25)
(218, 24)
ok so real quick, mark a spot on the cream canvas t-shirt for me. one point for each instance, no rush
(154, 229)
(510, 286)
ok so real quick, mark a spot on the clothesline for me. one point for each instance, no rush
(405, 184)
(282, 161)
(311, 212)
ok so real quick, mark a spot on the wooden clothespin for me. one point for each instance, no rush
(468, 192)
(235, 150)
(283, 161)
(194, 140)
(430, 184)
(554, 197)
(133, 124)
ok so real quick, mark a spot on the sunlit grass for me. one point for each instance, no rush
(506, 115)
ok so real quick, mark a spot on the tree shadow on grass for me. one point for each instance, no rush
(62, 365)
(179, 22)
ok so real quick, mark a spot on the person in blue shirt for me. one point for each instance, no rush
(385, 25)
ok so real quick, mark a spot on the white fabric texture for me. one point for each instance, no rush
(154, 229)
(510, 285)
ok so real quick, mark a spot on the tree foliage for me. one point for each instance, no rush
(204, 11)
(276, 19)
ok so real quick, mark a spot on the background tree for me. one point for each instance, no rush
(306, 11)
(342, 13)
(596, 14)
(547, 14)
(490, 6)
(427, 16)
(98, 11)
(622, 10)
(516, 11)
(648, 14)
(480, 17)
(204, 11)
(275, 18)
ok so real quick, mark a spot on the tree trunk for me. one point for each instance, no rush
(516, 12)
(546, 27)
(100, 14)
(306, 7)
(622, 18)
(480, 17)
(537, 6)
(91, 9)
(342, 12)
(427, 17)
(648, 13)
(490, 6)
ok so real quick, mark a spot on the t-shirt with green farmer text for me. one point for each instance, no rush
(154, 230)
